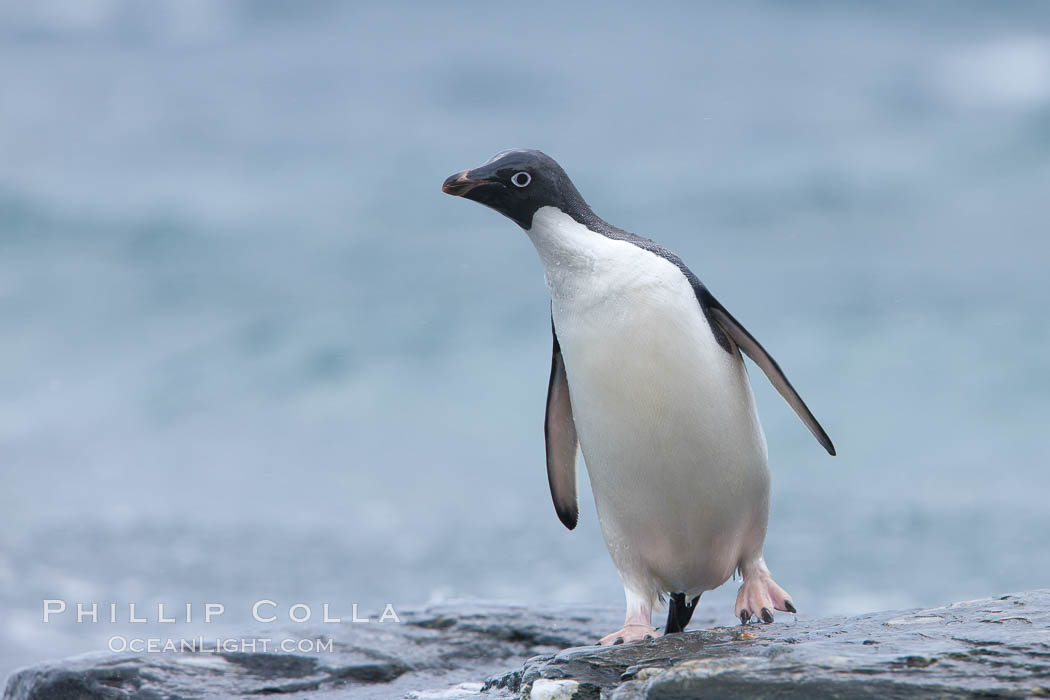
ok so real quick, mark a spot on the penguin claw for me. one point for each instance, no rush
(634, 632)
(759, 596)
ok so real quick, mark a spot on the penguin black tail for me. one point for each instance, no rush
(679, 612)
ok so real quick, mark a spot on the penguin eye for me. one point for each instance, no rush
(521, 179)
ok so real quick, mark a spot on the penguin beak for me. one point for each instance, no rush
(460, 184)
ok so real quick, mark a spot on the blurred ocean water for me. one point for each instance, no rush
(249, 350)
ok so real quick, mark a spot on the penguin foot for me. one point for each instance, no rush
(760, 595)
(637, 623)
(634, 632)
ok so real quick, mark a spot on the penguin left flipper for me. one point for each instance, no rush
(559, 431)
(753, 349)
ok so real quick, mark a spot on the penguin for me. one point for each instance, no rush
(647, 380)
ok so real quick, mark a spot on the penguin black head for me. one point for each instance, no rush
(516, 183)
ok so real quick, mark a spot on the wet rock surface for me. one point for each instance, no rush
(990, 647)
(444, 651)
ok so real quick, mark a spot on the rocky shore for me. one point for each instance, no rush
(997, 647)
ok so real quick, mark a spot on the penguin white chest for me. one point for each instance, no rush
(665, 415)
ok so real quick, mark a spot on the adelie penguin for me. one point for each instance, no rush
(647, 378)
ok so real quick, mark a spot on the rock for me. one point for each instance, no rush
(445, 651)
(994, 646)
(546, 689)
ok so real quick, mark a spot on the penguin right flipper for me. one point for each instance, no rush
(753, 349)
(559, 431)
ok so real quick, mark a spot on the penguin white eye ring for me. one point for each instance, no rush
(648, 381)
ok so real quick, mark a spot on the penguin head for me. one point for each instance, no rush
(516, 183)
